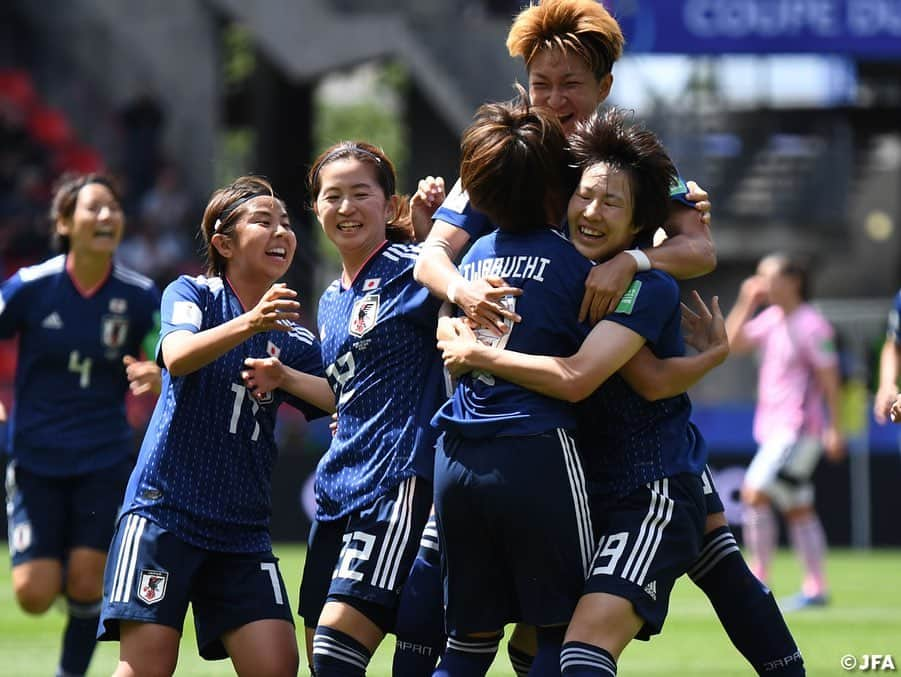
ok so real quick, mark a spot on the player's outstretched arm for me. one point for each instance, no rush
(750, 297)
(573, 378)
(185, 352)
(705, 331)
(263, 375)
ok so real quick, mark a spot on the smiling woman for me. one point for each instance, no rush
(81, 319)
(198, 503)
(377, 326)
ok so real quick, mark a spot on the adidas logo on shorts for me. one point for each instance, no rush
(651, 590)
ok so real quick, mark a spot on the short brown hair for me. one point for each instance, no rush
(582, 27)
(224, 210)
(512, 163)
(606, 137)
(399, 227)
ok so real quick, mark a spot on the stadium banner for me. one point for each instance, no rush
(869, 29)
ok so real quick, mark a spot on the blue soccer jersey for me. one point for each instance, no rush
(205, 467)
(551, 274)
(626, 440)
(69, 414)
(378, 348)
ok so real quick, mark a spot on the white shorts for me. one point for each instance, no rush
(782, 469)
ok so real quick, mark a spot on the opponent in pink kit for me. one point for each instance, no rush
(796, 418)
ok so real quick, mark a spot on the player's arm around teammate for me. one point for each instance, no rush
(508, 461)
(605, 218)
(569, 48)
(704, 330)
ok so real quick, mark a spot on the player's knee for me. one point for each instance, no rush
(159, 667)
(276, 664)
(714, 521)
(799, 513)
(604, 620)
(754, 497)
(84, 587)
(524, 639)
(33, 595)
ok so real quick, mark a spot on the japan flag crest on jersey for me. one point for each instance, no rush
(363, 315)
(115, 331)
(273, 350)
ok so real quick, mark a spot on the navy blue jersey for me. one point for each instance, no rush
(457, 211)
(378, 348)
(626, 440)
(69, 412)
(205, 467)
(551, 274)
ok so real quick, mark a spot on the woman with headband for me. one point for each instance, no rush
(373, 486)
(194, 526)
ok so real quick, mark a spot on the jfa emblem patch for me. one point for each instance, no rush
(20, 538)
(118, 306)
(363, 315)
(115, 331)
(153, 586)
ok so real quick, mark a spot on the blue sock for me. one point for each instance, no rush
(578, 659)
(79, 638)
(339, 654)
(420, 619)
(746, 607)
(547, 659)
(467, 657)
(520, 660)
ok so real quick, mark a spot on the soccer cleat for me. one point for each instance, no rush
(801, 601)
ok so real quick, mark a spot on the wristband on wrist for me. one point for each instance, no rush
(641, 259)
(452, 291)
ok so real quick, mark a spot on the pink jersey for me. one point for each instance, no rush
(792, 348)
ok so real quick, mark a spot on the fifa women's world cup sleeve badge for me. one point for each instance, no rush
(153, 586)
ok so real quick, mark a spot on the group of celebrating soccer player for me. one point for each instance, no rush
(537, 467)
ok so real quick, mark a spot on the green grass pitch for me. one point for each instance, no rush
(864, 618)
